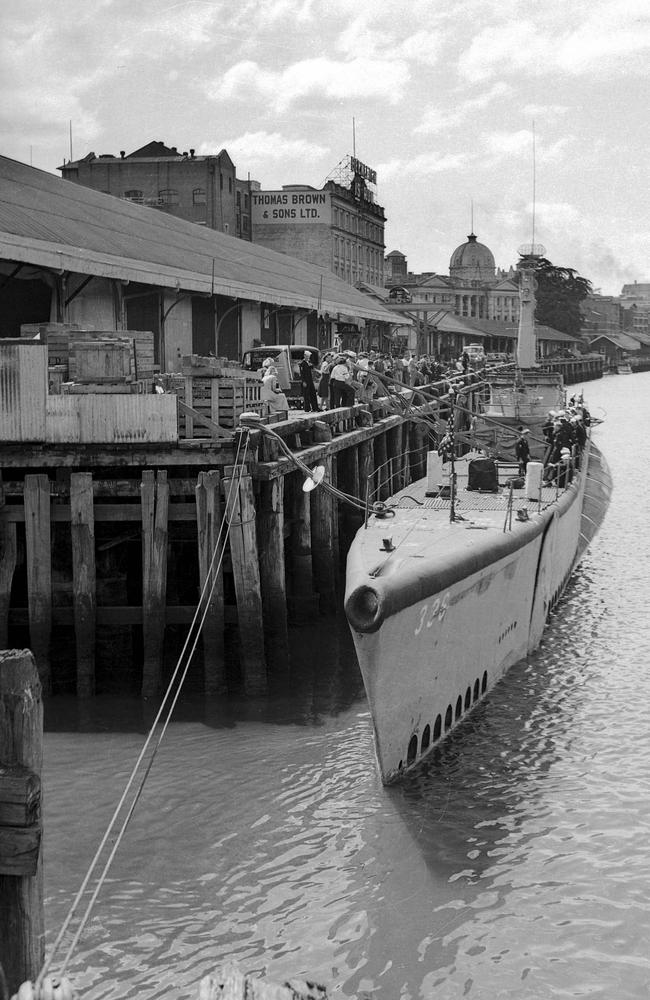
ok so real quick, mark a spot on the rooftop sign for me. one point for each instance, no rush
(360, 168)
(290, 207)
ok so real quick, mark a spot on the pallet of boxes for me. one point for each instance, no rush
(216, 392)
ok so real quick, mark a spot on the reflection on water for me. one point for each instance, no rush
(512, 864)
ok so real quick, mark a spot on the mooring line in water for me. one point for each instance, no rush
(196, 626)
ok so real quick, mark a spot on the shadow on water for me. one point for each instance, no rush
(323, 680)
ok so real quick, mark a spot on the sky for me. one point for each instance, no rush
(474, 111)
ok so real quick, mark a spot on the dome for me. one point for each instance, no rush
(472, 261)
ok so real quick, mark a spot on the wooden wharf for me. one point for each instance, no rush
(105, 549)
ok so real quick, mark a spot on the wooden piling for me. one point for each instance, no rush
(82, 528)
(382, 469)
(22, 931)
(365, 470)
(38, 549)
(211, 544)
(155, 509)
(240, 514)
(270, 542)
(324, 560)
(418, 439)
(303, 602)
(8, 556)
(393, 445)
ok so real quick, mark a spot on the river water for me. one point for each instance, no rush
(516, 864)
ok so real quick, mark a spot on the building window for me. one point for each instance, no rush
(168, 196)
(244, 223)
(198, 196)
(133, 195)
(245, 202)
(230, 185)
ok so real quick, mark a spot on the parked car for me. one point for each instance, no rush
(475, 353)
(287, 358)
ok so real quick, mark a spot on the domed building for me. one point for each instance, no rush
(483, 297)
(472, 261)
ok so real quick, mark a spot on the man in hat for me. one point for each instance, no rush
(341, 390)
(310, 403)
(522, 449)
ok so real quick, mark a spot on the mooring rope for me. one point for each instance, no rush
(194, 633)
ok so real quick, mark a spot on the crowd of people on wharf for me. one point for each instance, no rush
(341, 378)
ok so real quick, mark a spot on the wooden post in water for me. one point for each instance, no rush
(336, 547)
(365, 470)
(240, 513)
(155, 509)
(393, 445)
(406, 453)
(325, 562)
(210, 552)
(270, 543)
(39, 572)
(303, 602)
(8, 556)
(382, 477)
(82, 529)
(22, 932)
(350, 518)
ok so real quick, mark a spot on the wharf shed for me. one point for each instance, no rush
(72, 255)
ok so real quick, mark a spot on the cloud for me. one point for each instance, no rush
(422, 47)
(611, 37)
(422, 165)
(358, 78)
(545, 111)
(262, 147)
(555, 215)
(439, 120)
(26, 58)
(519, 145)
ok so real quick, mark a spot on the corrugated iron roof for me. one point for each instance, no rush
(54, 223)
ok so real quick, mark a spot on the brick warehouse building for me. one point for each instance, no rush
(200, 189)
(339, 226)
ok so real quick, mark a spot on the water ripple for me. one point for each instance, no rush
(513, 864)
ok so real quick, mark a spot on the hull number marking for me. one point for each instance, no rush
(430, 613)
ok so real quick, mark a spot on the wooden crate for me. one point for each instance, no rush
(60, 336)
(101, 360)
(222, 400)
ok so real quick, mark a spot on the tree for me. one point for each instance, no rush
(560, 290)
